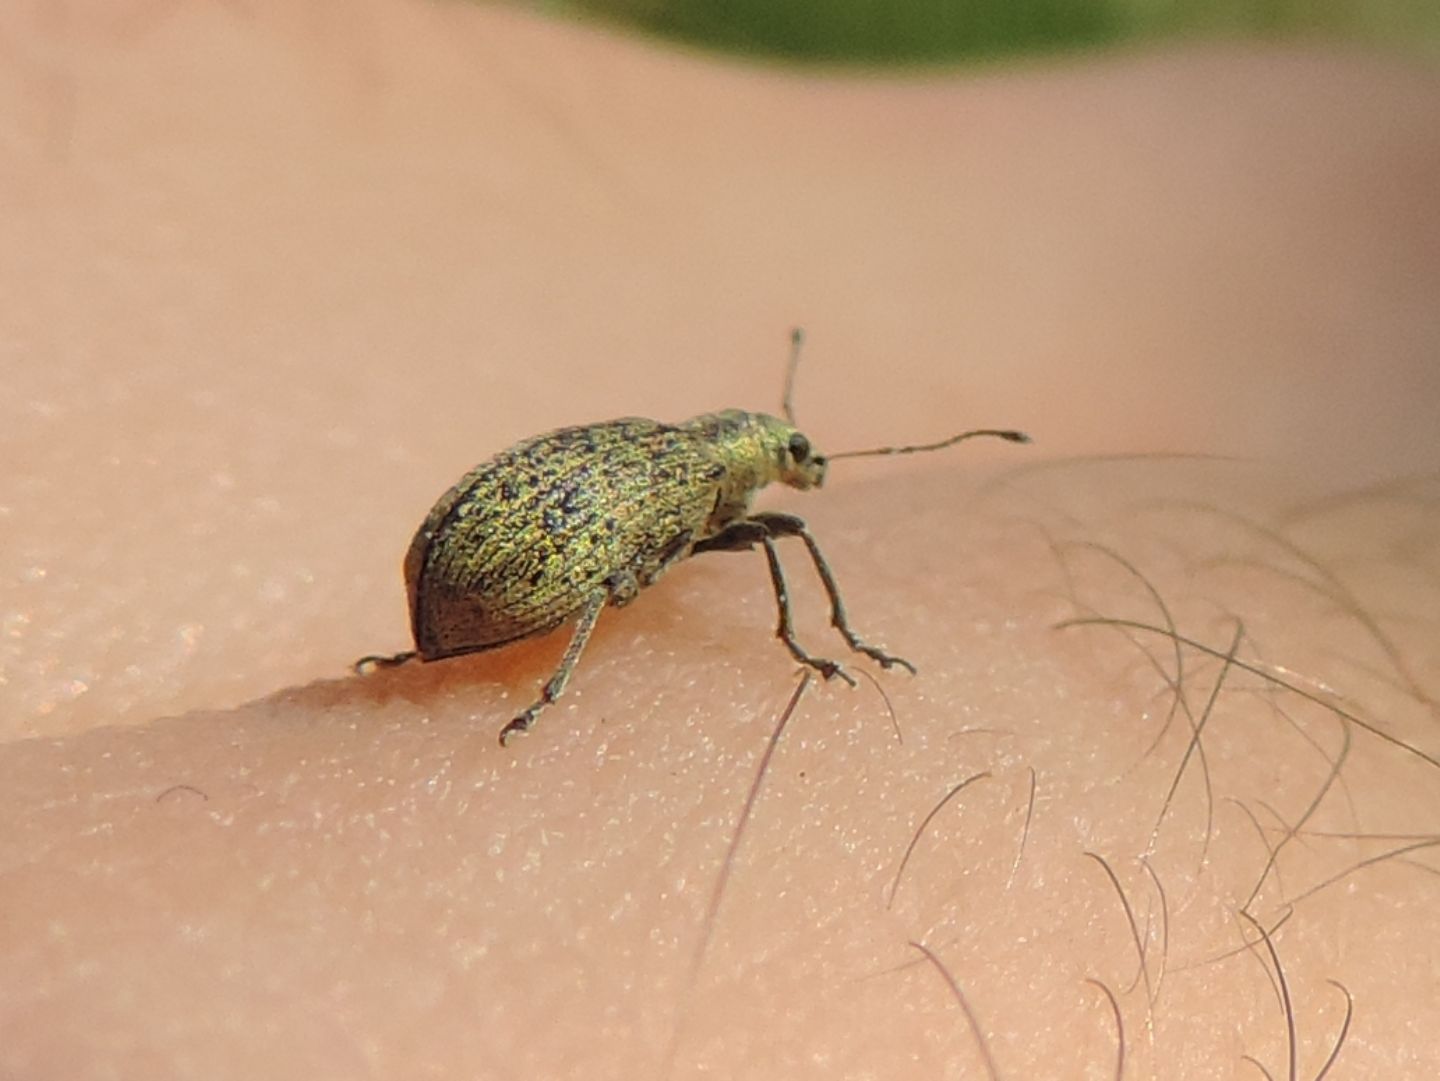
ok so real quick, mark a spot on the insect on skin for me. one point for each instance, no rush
(559, 526)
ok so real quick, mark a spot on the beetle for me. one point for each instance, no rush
(559, 526)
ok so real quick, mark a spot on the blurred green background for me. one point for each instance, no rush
(940, 31)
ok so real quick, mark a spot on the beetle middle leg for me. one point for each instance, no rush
(742, 536)
(555, 685)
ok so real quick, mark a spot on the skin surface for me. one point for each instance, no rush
(279, 274)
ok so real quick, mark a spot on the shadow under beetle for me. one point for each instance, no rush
(560, 525)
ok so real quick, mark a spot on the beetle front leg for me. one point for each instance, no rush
(787, 525)
(741, 537)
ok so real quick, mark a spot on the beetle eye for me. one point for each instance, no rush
(799, 447)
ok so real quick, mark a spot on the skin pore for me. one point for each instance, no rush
(280, 274)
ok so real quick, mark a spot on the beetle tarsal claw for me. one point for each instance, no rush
(887, 660)
(380, 660)
(831, 670)
(520, 724)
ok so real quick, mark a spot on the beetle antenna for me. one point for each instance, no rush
(797, 339)
(998, 433)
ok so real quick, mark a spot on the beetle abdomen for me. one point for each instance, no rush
(524, 540)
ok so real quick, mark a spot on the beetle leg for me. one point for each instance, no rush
(738, 536)
(787, 525)
(676, 549)
(555, 685)
(744, 535)
(379, 660)
(624, 587)
(785, 632)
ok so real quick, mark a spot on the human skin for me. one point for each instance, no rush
(277, 275)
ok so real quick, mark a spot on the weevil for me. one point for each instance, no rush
(561, 525)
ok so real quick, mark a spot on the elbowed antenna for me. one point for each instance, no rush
(797, 339)
(787, 408)
(999, 433)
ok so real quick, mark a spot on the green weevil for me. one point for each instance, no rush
(559, 526)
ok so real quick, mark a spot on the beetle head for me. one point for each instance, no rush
(776, 451)
(758, 449)
(800, 465)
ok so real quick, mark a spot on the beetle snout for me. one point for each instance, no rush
(807, 474)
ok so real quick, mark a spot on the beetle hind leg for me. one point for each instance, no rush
(373, 661)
